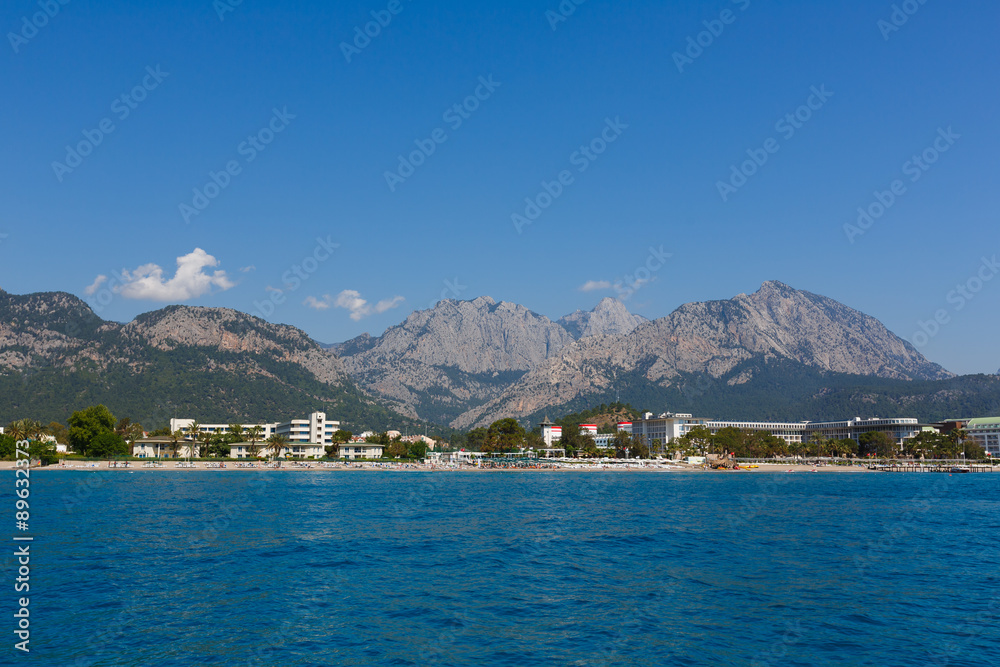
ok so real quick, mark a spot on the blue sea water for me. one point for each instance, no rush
(535, 568)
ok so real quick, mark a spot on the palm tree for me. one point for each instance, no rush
(175, 439)
(35, 430)
(194, 430)
(19, 429)
(276, 443)
(235, 433)
(254, 434)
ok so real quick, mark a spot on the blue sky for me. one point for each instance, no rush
(199, 82)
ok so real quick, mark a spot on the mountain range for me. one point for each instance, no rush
(779, 353)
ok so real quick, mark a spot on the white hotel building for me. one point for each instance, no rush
(305, 436)
(986, 431)
(669, 427)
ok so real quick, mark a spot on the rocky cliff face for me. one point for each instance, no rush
(463, 362)
(55, 353)
(457, 354)
(609, 318)
(58, 329)
(713, 338)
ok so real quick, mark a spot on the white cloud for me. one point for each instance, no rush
(595, 285)
(319, 304)
(351, 300)
(248, 269)
(96, 285)
(274, 290)
(190, 281)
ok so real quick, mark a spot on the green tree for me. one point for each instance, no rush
(417, 450)
(698, 438)
(194, 447)
(924, 445)
(504, 435)
(176, 438)
(878, 444)
(341, 437)
(475, 439)
(638, 449)
(8, 447)
(731, 440)
(85, 426)
(217, 445)
(235, 433)
(26, 429)
(44, 452)
(844, 448)
(276, 443)
(253, 436)
(108, 445)
(396, 449)
(534, 441)
(59, 432)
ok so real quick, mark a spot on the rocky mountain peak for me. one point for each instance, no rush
(609, 318)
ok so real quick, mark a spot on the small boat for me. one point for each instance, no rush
(959, 469)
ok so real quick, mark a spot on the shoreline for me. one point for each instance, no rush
(314, 467)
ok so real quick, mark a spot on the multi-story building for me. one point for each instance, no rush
(986, 431)
(242, 450)
(550, 432)
(665, 428)
(184, 426)
(361, 450)
(899, 429)
(669, 427)
(317, 429)
(790, 432)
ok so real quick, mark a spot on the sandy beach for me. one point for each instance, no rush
(232, 467)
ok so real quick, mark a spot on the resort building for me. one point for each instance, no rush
(184, 426)
(665, 428)
(154, 447)
(550, 432)
(244, 450)
(899, 429)
(361, 450)
(986, 431)
(316, 429)
(790, 432)
(669, 427)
